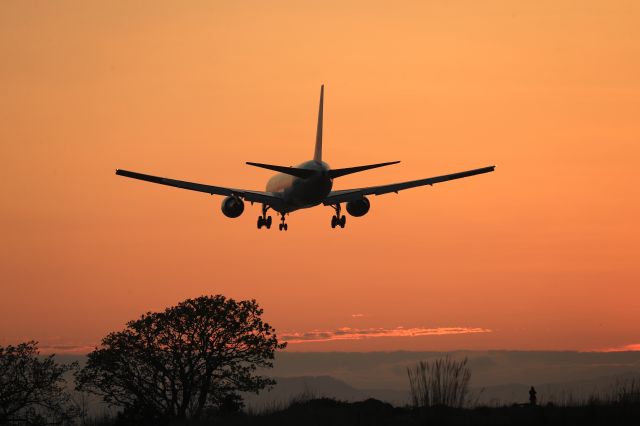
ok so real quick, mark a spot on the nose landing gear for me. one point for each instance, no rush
(338, 219)
(283, 226)
(264, 220)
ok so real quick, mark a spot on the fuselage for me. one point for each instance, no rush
(301, 193)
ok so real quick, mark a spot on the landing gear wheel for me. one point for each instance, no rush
(280, 226)
(285, 226)
(338, 219)
(264, 220)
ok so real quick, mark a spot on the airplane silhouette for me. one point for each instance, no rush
(306, 185)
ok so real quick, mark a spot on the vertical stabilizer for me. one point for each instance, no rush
(317, 156)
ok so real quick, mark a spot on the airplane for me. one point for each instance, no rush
(307, 185)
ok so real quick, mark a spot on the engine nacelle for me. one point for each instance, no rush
(232, 207)
(359, 207)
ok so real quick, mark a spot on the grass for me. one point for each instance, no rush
(620, 405)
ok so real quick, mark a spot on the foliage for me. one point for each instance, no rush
(33, 388)
(443, 382)
(181, 363)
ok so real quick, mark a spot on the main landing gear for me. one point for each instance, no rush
(337, 219)
(283, 226)
(264, 220)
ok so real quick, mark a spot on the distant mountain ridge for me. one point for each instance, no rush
(498, 377)
(290, 389)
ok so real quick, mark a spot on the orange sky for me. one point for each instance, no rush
(541, 254)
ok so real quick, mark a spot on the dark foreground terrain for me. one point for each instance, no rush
(325, 411)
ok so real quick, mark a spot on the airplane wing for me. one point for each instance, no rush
(271, 198)
(347, 195)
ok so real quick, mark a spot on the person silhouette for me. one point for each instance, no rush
(532, 396)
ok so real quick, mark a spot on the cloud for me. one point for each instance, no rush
(342, 333)
(357, 315)
(66, 349)
(633, 347)
(348, 333)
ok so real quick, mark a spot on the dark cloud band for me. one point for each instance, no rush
(348, 333)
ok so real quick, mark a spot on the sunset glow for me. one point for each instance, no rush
(625, 348)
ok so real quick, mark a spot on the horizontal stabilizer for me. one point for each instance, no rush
(293, 171)
(348, 170)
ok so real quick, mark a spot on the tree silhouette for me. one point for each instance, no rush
(33, 388)
(179, 363)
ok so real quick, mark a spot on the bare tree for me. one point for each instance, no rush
(444, 381)
(181, 362)
(33, 388)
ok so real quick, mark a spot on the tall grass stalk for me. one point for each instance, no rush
(444, 381)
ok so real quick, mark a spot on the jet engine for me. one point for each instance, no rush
(359, 207)
(232, 207)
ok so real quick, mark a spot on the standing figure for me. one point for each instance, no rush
(532, 396)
